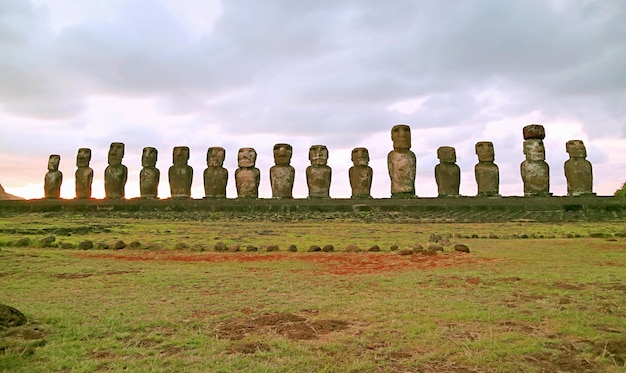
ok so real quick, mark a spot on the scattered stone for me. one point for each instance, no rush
(328, 248)
(292, 248)
(66, 245)
(102, 246)
(493, 236)
(11, 317)
(353, 249)
(407, 251)
(394, 247)
(47, 241)
(134, 245)
(220, 246)
(198, 247)
(314, 248)
(22, 242)
(234, 248)
(461, 248)
(417, 247)
(435, 247)
(181, 246)
(374, 249)
(86, 245)
(272, 248)
(119, 245)
(524, 236)
(251, 248)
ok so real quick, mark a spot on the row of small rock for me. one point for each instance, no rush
(49, 241)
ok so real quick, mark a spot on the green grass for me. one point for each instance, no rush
(512, 305)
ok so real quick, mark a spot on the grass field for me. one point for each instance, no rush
(529, 297)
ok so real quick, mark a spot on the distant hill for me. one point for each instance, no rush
(4, 195)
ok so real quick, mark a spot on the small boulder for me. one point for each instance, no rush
(181, 246)
(234, 248)
(394, 247)
(272, 248)
(22, 242)
(461, 248)
(47, 241)
(374, 248)
(328, 248)
(314, 248)
(66, 245)
(435, 247)
(198, 247)
(417, 247)
(102, 246)
(292, 248)
(134, 245)
(220, 246)
(251, 248)
(86, 245)
(407, 251)
(11, 317)
(119, 245)
(353, 249)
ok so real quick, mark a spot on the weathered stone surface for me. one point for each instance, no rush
(407, 251)
(374, 248)
(181, 246)
(23, 242)
(116, 174)
(486, 172)
(53, 178)
(402, 163)
(119, 245)
(417, 247)
(11, 317)
(314, 248)
(282, 174)
(318, 174)
(233, 248)
(534, 131)
(461, 248)
(83, 174)
(353, 249)
(66, 245)
(215, 175)
(219, 246)
(360, 174)
(180, 174)
(134, 244)
(435, 247)
(47, 241)
(247, 177)
(447, 172)
(149, 176)
(251, 248)
(328, 248)
(272, 248)
(85, 245)
(102, 246)
(292, 248)
(393, 248)
(578, 170)
(4, 196)
(534, 170)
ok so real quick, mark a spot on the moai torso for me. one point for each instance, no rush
(534, 170)
(282, 174)
(149, 176)
(486, 172)
(84, 174)
(215, 176)
(360, 174)
(318, 174)
(53, 178)
(447, 172)
(180, 174)
(116, 174)
(402, 163)
(247, 177)
(578, 170)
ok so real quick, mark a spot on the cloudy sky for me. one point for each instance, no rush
(248, 73)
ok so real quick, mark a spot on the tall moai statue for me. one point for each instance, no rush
(84, 174)
(53, 179)
(486, 172)
(180, 174)
(215, 175)
(360, 174)
(578, 170)
(402, 163)
(116, 174)
(149, 176)
(318, 174)
(534, 170)
(282, 174)
(247, 176)
(447, 172)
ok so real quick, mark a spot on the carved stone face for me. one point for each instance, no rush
(576, 149)
(318, 154)
(116, 153)
(180, 155)
(149, 157)
(215, 156)
(446, 154)
(360, 157)
(246, 157)
(401, 136)
(534, 150)
(282, 154)
(53, 162)
(485, 152)
(83, 157)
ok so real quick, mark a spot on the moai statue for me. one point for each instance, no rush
(84, 174)
(282, 174)
(116, 174)
(447, 172)
(247, 177)
(486, 172)
(402, 163)
(360, 174)
(215, 175)
(54, 178)
(534, 170)
(578, 170)
(149, 176)
(180, 174)
(318, 174)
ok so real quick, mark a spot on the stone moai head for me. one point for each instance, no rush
(282, 154)
(446, 154)
(180, 155)
(215, 156)
(116, 153)
(83, 157)
(534, 150)
(360, 156)
(576, 149)
(401, 136)
(484, 151)
(318, 154)
(149, 156)
(534, 131)
(53, 162)
(246, 157)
